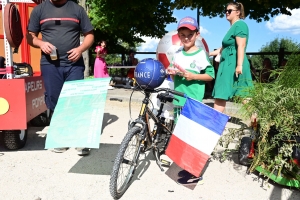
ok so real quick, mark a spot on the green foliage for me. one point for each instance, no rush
(290, 76)
(129, 20)
(278, 107)
(288, 44)
(258, 10)
(118, 21)
(113, 59)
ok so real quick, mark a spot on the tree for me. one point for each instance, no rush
(85, 54)
(274, 46)
(129, 20)
(258, 10)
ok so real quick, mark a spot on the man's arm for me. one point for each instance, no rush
(87, 41)
(76, 53)
(34, 41)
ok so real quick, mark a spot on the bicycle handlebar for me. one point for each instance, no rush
(170, 91)
(160, 90)
(124, 80)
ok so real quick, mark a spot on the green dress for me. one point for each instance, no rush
(227, 84)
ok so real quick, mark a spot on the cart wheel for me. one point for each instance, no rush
(41, 120)
(14, 139)
(244, 151)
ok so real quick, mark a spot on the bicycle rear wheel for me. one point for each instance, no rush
(125, 163)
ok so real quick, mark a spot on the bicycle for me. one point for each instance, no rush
(140, 139)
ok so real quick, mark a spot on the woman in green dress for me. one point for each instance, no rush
(234, 75)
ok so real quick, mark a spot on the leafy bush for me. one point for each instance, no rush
(277, 105)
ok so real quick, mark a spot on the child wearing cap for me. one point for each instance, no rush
(190, 69)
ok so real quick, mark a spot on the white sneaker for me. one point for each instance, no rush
(60, 150)
(83, 151)
(110, 87)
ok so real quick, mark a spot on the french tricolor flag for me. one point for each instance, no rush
(195, 136)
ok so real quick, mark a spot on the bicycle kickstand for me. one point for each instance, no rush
(158, 160)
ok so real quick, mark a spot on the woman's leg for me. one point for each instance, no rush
(219, 105)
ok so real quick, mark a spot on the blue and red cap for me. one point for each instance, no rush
(188, 22)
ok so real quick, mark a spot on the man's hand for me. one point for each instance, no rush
(46, 47)
(74, 54)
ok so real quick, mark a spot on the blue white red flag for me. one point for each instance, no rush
(195, 136)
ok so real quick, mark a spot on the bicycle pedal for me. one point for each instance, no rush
(165, 162)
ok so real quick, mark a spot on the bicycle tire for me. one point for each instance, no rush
(115, 191)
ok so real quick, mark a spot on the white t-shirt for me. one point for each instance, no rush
(196, 63)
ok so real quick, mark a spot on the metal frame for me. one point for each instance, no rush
(7, 47)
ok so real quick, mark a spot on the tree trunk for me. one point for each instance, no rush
(86, 60)
(85, 54)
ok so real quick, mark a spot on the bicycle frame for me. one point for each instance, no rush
(147, 136)
(143, 119)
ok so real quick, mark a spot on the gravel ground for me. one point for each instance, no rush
(35, 173)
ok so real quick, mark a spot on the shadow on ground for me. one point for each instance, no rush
(144, 164)
(280, 192)
(108, 119)
(237, 121)
(99, 162)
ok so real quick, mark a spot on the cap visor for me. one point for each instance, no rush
(187, 26)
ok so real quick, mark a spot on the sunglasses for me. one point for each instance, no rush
(229, 11)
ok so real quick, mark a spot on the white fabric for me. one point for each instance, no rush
(197, 61)
(168, 108)
(196, 135)
(218, 57)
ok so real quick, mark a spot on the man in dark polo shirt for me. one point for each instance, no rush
(60, 22)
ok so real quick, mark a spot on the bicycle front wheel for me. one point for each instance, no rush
(125, 163)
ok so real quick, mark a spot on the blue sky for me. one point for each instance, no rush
(214, 29)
